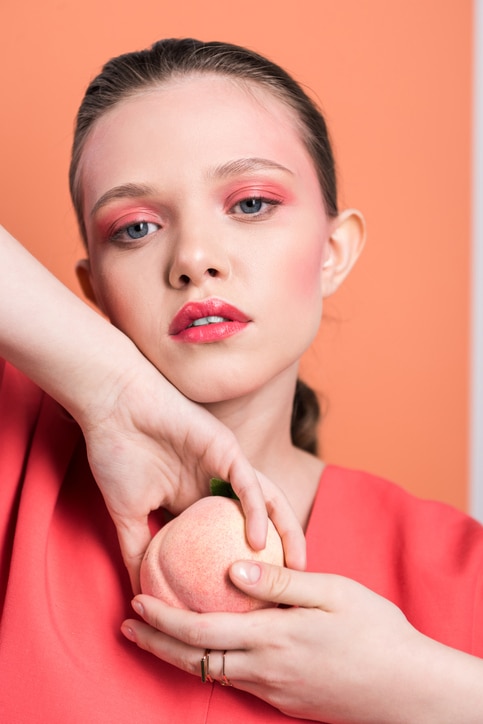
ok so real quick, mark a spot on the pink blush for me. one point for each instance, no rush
(306, 272)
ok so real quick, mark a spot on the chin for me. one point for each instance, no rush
(210, 397)
(212, 392)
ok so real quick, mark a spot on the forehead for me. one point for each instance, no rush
(190, 123)
(198, 90)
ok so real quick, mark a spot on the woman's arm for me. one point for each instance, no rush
(148, 445)
(339, 654)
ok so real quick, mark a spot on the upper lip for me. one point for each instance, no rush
(213, 307)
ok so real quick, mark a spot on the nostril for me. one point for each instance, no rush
(212, 272)
(184, 279)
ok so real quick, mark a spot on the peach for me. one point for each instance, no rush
(186, 564)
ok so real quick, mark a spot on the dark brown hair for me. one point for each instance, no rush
(128, 74)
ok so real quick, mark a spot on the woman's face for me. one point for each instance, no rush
(206, 233)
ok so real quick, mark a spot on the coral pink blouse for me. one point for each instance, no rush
(64, 590)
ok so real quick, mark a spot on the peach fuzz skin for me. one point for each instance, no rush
(186, 564)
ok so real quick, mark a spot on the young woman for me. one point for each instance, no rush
(204, 185)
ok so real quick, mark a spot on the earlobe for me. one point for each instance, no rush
(83, 273)
(345, 243)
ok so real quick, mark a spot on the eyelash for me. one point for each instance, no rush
(116, 235)
(268, 202)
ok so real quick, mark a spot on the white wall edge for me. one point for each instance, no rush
(476, 391)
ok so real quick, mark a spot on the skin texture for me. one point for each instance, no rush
(187, 562)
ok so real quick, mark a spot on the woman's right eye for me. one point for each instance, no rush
(136, 231)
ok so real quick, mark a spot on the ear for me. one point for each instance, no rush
(83, 273)
(345, 243)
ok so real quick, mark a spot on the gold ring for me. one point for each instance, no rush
(225, 681)
(205, 668)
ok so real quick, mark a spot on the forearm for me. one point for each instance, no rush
(446, 686)
(56, 339)
(421, 681)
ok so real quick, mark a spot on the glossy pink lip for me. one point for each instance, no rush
(233, 321)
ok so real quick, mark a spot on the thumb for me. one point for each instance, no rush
(278, 584)
(134, 537)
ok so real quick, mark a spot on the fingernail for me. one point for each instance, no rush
(128, 632)
(246, 571)
(138, 607)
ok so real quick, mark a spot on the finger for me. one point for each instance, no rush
(163, 646)
(245, 483)
(200, 630)
(283, 517)
(283, 585)
(220, 663)
(134, 537)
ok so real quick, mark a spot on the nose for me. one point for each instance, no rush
(197, 256)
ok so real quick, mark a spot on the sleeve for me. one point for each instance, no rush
(478, 617)
(425, 556)
(20, 402)
(441, 558)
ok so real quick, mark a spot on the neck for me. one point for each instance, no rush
(261, 422)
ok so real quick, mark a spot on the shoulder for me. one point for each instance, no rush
(32, 424)
(20, 403)
(378, 508)
(424, 555)
(370, 495)
(16, 388)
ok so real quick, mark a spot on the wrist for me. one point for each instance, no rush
(106, 376)
(442, 685)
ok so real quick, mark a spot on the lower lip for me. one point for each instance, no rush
(206, 333)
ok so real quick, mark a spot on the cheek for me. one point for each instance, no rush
(116, 298)
(304, 272)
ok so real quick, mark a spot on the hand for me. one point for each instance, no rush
(156, 448)
(341, 654)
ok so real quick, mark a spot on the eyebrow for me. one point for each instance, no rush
(247, 165)
(124, 191)
(226, 170)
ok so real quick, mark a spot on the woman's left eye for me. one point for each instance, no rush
(136, 231)
(254, 206)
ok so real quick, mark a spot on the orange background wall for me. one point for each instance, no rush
(395, 81)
